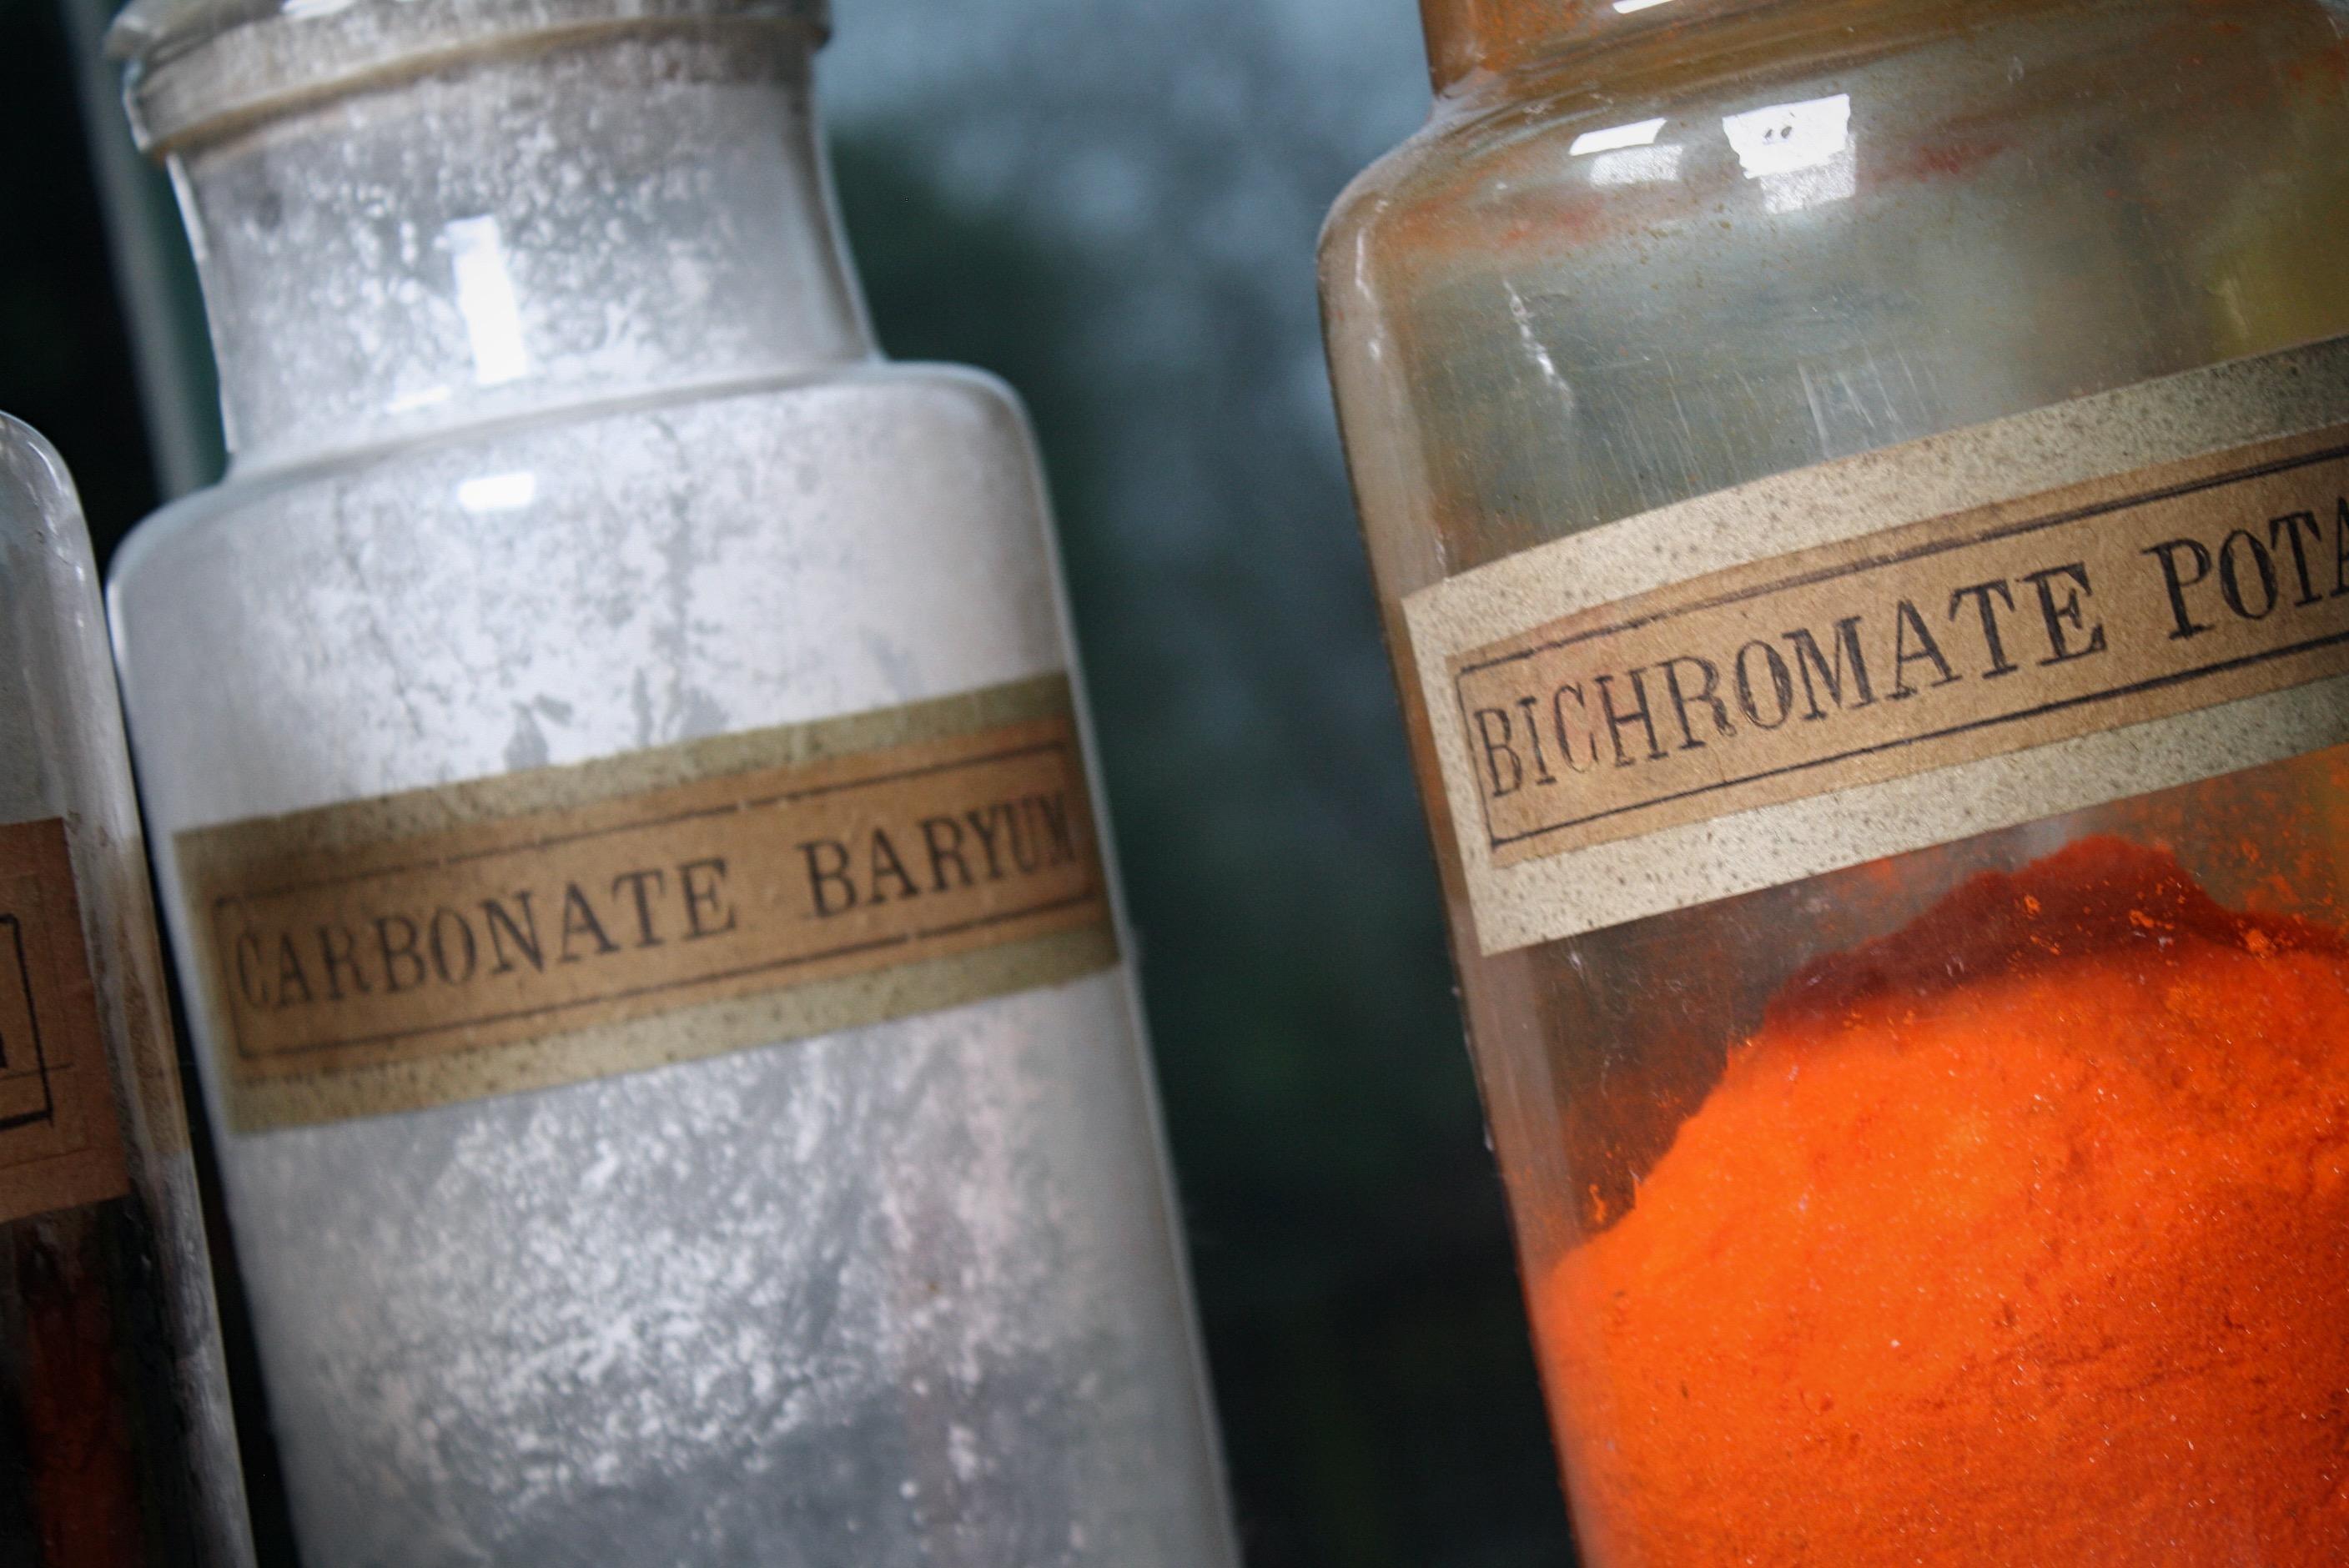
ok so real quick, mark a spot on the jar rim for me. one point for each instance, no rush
(194, 67)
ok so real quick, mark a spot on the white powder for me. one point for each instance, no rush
(903, 1295)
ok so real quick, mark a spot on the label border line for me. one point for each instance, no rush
(1090, 893)
(2154, 683)
(48, 1111)
(555, 840)
(1495, 842)
(1918, 553)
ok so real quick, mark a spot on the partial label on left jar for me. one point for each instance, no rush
(569, 924)
(60, 1134)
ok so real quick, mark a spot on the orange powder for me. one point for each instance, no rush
(2021, 1236)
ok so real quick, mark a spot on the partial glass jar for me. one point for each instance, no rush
(1809, 453)
(115, 1441)
(625, 826)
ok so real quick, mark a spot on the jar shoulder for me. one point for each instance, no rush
(37, 495)
(1656, 146)
(962, 418)
(60, 743)
(559, 591)
(1553, 313)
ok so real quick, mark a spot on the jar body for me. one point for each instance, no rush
(736, 1144)
(897, 1293)
(1767, 240)
(115, 1438)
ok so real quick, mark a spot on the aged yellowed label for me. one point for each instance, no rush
(568, 924)
(1630, 748)
(60, 1134)
(1992, 630)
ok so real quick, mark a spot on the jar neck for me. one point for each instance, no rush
(611, 216)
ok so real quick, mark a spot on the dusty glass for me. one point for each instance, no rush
(1976, 1200)
(115, 1441)
(559, 438)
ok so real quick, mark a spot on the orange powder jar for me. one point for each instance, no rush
(2020, 1235)
(1858, 491)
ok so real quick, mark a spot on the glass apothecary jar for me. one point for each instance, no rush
(627, 829)
(1859, 495)
(116, 1446)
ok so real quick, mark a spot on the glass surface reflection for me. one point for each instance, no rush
(485, 298)
(1800, 152)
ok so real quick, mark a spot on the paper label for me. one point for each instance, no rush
(60, 1133)
(567, 924)
(2037, 648)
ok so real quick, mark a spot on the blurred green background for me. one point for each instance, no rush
(1112, 204)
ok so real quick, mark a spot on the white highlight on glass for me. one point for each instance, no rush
(485, 298)
(1522, 314)
(422, 397)
(1641, 133)
(1800, 152)
(1636, 166)
(498, 492)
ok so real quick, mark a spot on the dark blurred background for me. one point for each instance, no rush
(1112, 204)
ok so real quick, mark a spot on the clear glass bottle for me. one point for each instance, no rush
(1918, 1103)
(567, 481)
(115, 1441)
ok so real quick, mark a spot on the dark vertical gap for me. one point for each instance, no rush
(65, 358)
(1357, 1288)
(264, 1474)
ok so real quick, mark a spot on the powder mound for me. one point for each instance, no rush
(2099, 896)
(2020, 1236)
